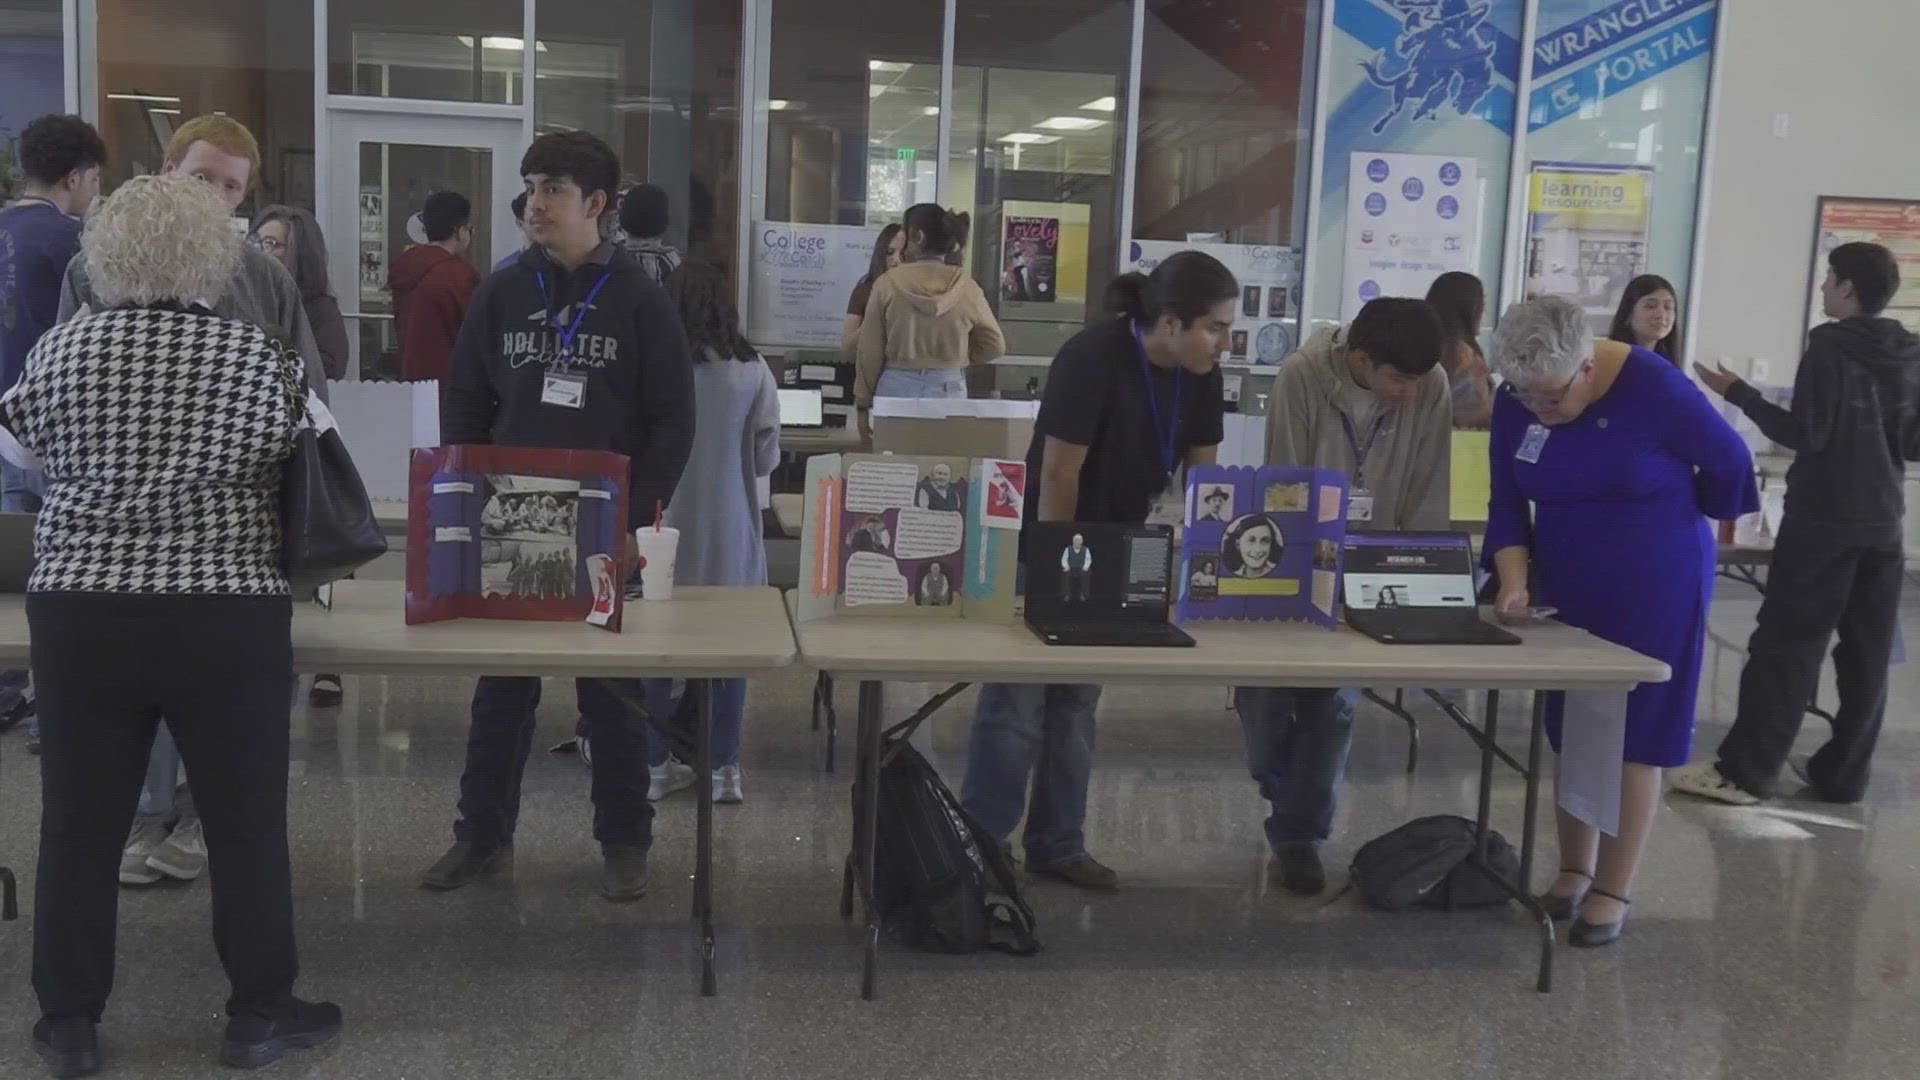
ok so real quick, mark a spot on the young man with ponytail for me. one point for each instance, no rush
(1128, 402)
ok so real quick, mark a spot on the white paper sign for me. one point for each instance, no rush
(800, 278)
(1593, 739)
(1410, 218)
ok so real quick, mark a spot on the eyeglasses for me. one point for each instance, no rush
(1538, 402)
(269, 244)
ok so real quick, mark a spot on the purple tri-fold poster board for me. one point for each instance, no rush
(1262, 544)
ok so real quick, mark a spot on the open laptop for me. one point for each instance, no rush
(16, 551)
(1101, 585)
(1403, 588)
(802, 409)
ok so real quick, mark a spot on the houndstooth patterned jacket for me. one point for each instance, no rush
(162, 434)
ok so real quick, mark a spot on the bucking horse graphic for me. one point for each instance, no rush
(1444, 57)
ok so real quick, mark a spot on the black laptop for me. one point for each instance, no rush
(1403, 588)
(1101, 585)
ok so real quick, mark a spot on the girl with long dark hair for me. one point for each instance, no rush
(887, 250)
(1649, 316)
(1461, 302)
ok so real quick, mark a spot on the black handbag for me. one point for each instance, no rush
(327, 525)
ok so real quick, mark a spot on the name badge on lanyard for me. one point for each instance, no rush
(1534, 442)
(1360, 499)
(563, 387)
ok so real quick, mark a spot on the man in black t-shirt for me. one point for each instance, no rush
(1127, 403)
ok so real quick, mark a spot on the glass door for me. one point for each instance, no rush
(384, 165)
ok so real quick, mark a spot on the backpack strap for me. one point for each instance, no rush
(1013, 914)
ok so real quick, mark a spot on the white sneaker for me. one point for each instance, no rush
(1703, 779)
(726, 785)
(141, 844)
(664, 780)
(184, 854)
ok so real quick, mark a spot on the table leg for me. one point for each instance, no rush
(703, 857)
(1528, 826)
(9, 896)
(868, 768)
(1485, 814)
(833, 717)
(1398, 707)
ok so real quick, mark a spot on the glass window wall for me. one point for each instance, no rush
(32, 77)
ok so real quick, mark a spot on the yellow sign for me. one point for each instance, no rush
(1471, 483)
(1582, 199)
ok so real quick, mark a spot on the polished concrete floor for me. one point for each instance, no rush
(1781, 944)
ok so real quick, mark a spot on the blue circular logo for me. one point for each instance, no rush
(1376, 204)
(1413, 189)
(1448, 206)
(1133, 250)
(1449, 174)
(1377, 170)
(1369, 290)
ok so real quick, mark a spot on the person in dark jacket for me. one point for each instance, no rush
(1838, 561)
(292, 236)
(432, 284)
(573, 347)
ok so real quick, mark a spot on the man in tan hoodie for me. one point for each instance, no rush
(926, 321)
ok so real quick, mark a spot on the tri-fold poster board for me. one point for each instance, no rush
(910, 537)
(1262, 544)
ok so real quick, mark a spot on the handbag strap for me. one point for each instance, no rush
(293, 380)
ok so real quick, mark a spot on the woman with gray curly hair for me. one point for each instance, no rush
(162, 430)
(1623, 461)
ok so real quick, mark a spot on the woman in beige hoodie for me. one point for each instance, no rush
(926, 322)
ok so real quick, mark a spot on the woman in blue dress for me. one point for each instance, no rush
(1624, 461)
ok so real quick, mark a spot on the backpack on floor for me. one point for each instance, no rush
(1424, 864)
(940, 882)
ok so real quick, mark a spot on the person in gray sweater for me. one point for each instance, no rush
(736, 441)
(167, 841)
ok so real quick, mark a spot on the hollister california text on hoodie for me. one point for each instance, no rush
(924, 316)
(630, 349)
(1854, 424)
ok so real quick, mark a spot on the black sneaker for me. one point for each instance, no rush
(462, 865)
(1300, 869)
(253, 1042)
(326, 692)
(70, 1047)
(625, 875)
(1081, 872)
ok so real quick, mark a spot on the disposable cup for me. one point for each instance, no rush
(659, 551)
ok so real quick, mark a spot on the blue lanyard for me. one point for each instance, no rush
(567, 334)
(1170, 444)
(1360, 452)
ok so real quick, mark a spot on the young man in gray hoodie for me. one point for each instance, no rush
(1372, 401)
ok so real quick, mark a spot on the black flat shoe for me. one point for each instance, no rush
(463, 864)
(1590, 935)
(70, 1047)
(256, 1042)
(1562, 908)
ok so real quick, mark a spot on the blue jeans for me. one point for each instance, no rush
(164, 800)
(934, 383)
(21, 492)
(729, 719)
(1297, 742)
(1045, 731)
(501, 737)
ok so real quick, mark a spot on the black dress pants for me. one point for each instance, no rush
(107, 667)
(1822, 580)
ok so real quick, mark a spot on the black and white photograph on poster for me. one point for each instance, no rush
(1213, 502)
(937, 491)
(1277, 302)
(1239, 344)
(1076, 571)
(871, 535)
(1203, 580)
(527, 537)
(1250, 301)
(1326, 555)
(935, 588)
(1252, 548)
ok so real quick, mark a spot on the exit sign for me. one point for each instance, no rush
(905, 153)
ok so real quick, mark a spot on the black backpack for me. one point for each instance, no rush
(935, 869)
(1424, 863)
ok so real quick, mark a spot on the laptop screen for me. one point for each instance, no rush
(1094, 571)
(1408, 570)
(801, 408)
